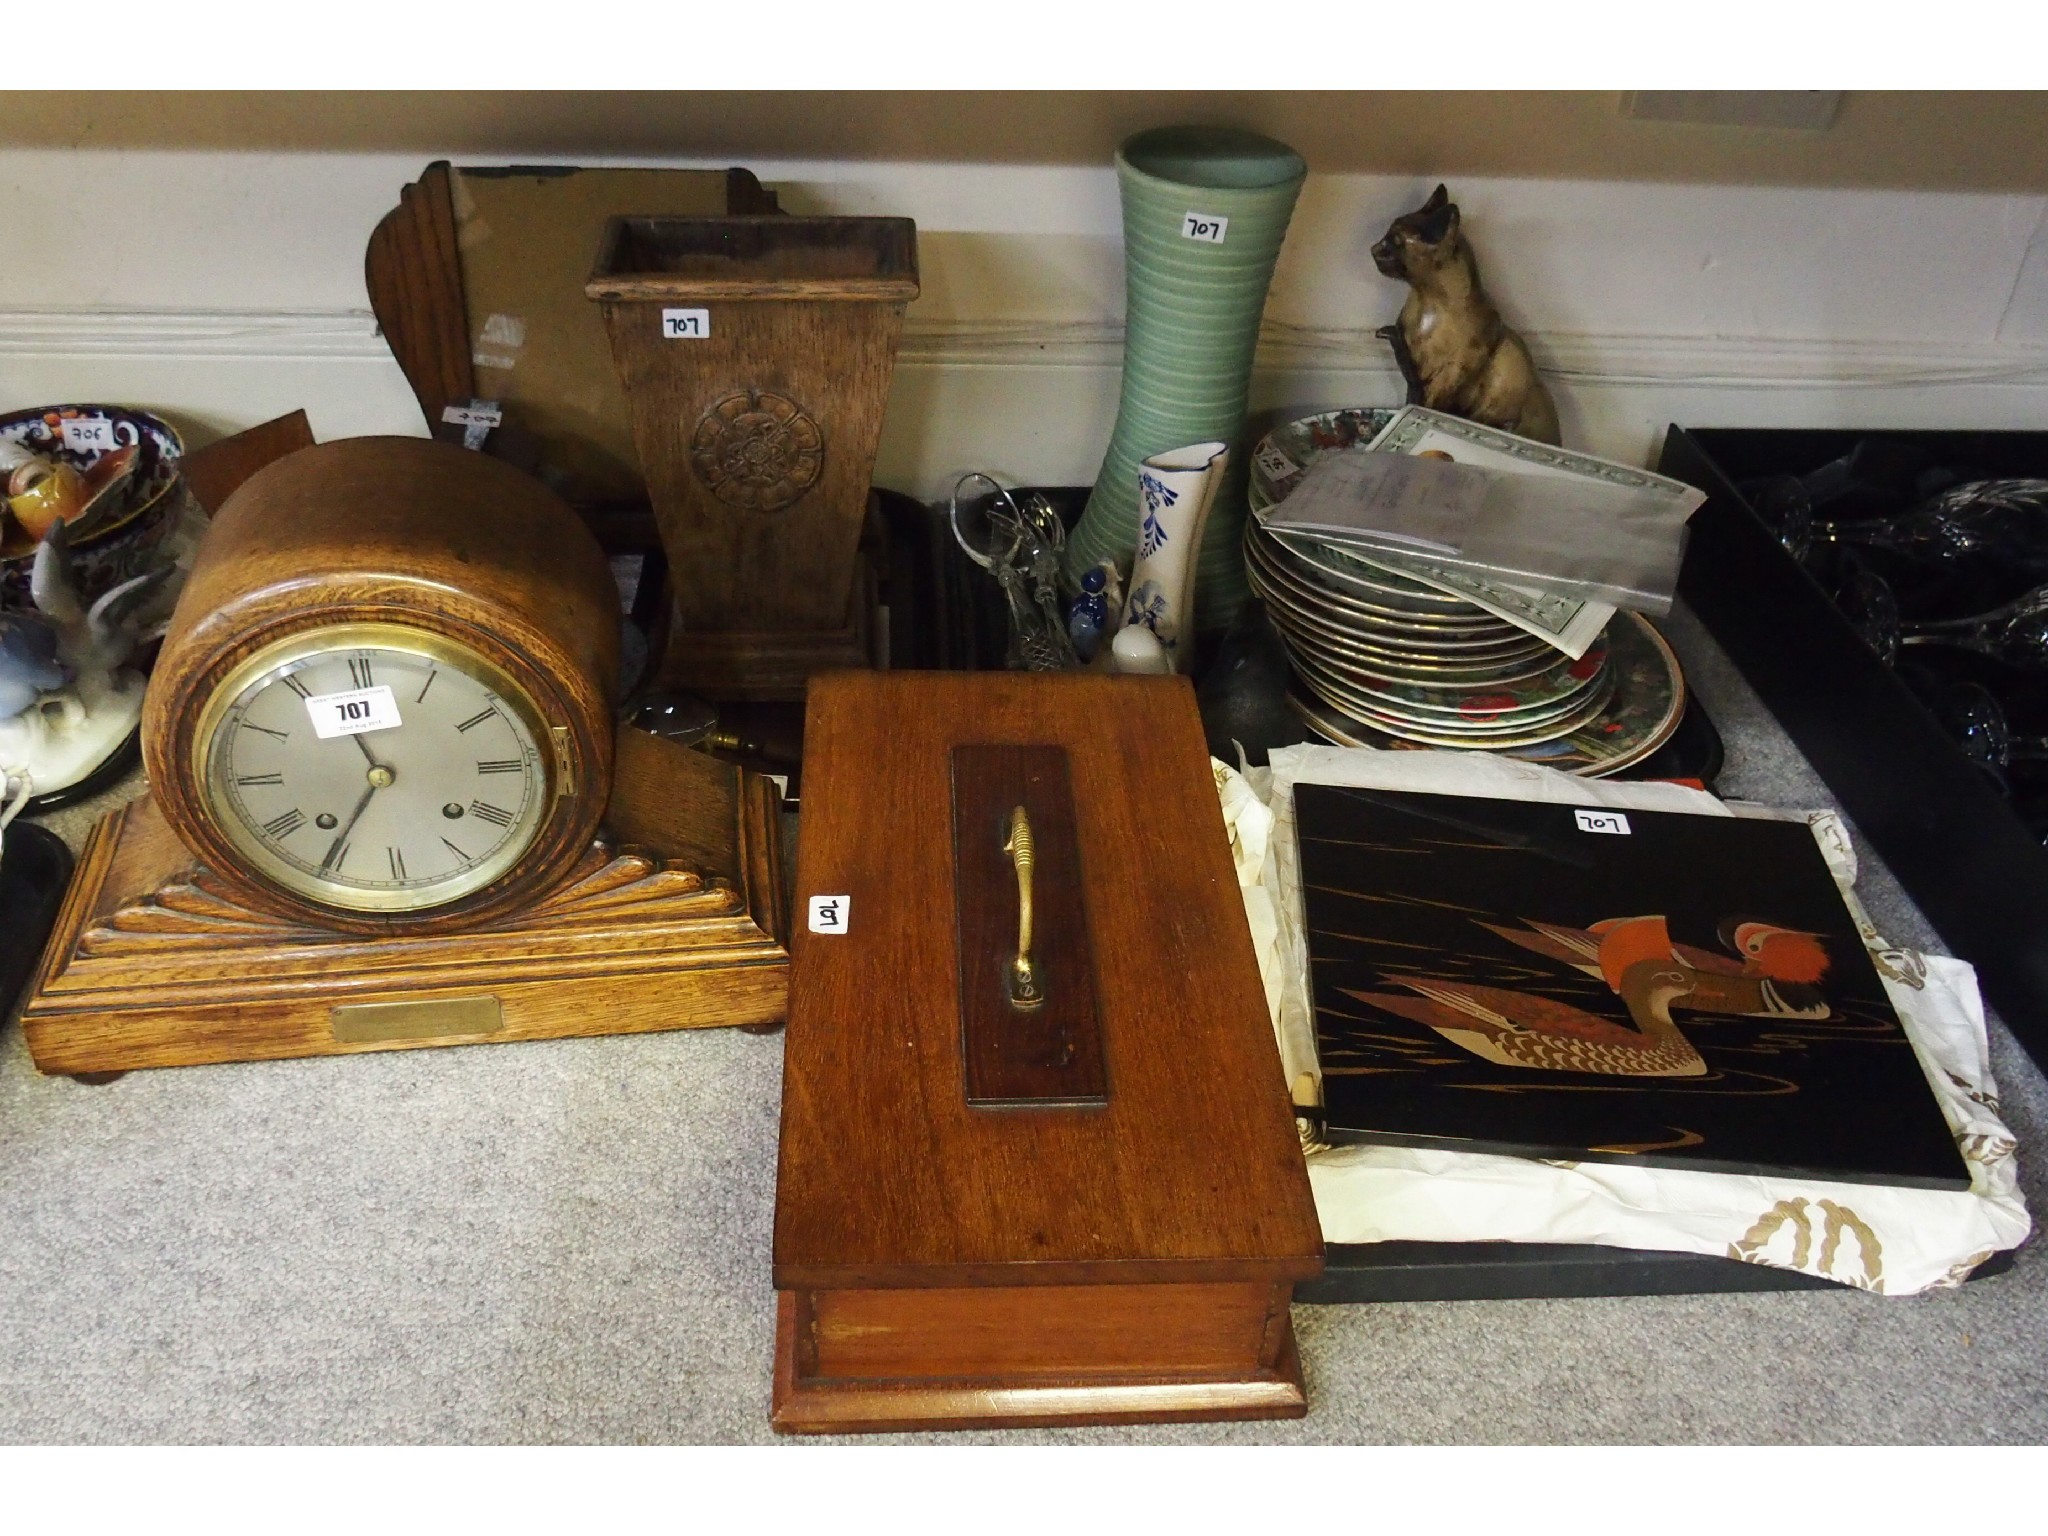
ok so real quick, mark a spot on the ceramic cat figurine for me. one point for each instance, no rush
(1455, 351)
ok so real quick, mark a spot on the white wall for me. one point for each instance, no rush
(224, 289)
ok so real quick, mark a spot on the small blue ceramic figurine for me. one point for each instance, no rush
(28, 661)
(1089, 616)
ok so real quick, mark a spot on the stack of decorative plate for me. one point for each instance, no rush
(1381, 659)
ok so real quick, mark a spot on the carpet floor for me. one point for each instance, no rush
(569, 1242)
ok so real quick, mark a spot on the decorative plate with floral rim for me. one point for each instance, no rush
(1478, 721)
(1552, 691)
(1283, 453)
(115, 544)
(1387, 589)
(1647, 704)
(41, 431)
(1461, 649)
(1374, 622)
(1371, 661)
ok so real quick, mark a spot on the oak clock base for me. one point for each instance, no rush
(155, 963)
(857, 1362)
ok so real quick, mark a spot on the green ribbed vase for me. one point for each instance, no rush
(1191, 326)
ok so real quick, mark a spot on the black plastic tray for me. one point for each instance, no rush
(1525, 1271)
(1956, 846)
(35, 867)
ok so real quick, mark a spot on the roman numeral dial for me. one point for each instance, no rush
(285, 824)
(377, 776)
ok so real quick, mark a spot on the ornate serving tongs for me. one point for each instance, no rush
(1020, 547)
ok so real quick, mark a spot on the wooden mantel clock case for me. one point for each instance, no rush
(1038, 1163)
(389, 805)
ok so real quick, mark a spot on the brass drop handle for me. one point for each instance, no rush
(1023, 975)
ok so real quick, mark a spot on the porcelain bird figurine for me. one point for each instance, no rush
(67, 698)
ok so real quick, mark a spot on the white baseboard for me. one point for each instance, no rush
(1725, 362)
(1742, 362)
(1034, 399)
(291, 335)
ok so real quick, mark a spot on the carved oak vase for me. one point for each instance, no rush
(756, 354)
(1205, 211)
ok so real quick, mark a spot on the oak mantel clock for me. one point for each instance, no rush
(389, 805)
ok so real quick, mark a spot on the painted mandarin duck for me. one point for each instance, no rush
(1637, 959)
(1777, 974)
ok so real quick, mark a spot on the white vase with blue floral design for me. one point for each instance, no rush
(1175, 489)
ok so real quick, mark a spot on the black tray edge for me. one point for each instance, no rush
(1414, 1271)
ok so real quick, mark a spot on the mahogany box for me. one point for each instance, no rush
(1066, 1192)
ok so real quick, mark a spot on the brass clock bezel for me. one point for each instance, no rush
(354, 902)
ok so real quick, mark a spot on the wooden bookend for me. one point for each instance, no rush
(413, 271)
(476, 279)
(673, 919)
(995, 1208)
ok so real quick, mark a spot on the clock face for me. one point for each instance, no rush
(381, 775)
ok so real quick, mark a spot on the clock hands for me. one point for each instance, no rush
(435, 765)
(380, 777)
(340, 844)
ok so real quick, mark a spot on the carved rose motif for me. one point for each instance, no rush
(758, 450)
